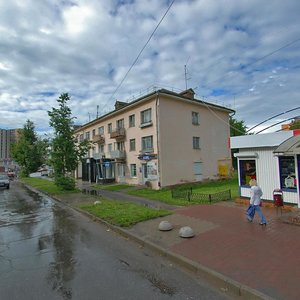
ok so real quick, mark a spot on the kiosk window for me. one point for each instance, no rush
(247, 171)
(287, 172)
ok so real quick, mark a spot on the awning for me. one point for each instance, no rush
(290, 146)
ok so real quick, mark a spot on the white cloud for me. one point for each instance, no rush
(86, 47)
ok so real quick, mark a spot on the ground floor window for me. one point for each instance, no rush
(133, 170)
(247, 171)
(287, 172)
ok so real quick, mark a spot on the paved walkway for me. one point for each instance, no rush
(227, 247)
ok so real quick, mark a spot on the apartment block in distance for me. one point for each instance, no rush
(161, 139)
(7, 137)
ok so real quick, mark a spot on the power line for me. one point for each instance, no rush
(277, 124)
(141, 51)
(272, 118)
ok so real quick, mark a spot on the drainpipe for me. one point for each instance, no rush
(157, 137)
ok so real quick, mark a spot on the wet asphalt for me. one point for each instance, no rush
(50, 251)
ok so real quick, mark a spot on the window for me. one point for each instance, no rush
(87, 135)
(287, 172)
(94, 132)
(119, 146)
(146, 117)
(101, 130)
(197, 168)
(81, 138)
(196, 142)
(132, 121)
(109, 147)
(133, 170)
(195, 118)
(109, 128)
(247, 171)
(132, 145)
(101, 149)
(120, 123)
(147, 143)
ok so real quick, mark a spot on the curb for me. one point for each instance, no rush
(217, 280)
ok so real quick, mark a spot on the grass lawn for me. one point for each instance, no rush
(164, 195)
(121, 213)
(45, 185)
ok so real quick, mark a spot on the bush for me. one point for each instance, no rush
(65, 183)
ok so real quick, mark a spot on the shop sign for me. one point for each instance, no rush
(146, 156)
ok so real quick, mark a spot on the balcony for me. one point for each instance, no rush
(119, 133)
(98, 138)
(98, 155)
(117, 154)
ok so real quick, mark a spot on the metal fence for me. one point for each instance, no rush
(191, 196)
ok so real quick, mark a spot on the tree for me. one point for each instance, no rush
(65, 152)
(29, 151)
(237, 127)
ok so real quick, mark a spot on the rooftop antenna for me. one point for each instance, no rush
(97, 111)
(89, 117)
(185, 73)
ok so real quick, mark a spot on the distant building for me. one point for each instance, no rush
(7, 137)
(161, 139)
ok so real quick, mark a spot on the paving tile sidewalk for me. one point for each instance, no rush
(264, 258)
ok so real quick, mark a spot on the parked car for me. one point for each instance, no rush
(4, 181)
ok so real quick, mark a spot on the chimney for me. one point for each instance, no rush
(119, 105)
(188, 93)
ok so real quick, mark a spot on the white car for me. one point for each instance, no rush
(4, 181)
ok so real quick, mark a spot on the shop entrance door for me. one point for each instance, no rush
(144, 173)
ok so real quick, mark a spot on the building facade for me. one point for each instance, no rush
(7, 137)
(273, 159)
(161, 139)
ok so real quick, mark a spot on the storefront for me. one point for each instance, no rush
(273, 159)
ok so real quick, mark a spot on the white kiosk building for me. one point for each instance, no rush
(273, 159)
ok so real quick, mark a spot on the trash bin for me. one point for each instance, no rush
(277, 197)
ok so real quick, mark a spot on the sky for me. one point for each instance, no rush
(241, 54)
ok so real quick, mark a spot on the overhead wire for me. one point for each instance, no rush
(140, 53)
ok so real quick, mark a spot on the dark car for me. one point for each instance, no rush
(4, 181)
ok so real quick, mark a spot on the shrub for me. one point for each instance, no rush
(65, 183)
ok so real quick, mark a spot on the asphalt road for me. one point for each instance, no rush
(49, 251)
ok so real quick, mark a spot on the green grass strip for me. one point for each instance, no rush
(121, 213)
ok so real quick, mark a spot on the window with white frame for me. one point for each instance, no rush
(87, 135)
(119, 146)
(133, 170)
(147, 143)
(195, 118)
(198, 168)
(93, 132)
(101, 130)
(120, 123)
(132, 145)
(196, 142)
(146, 117)
(109, 128)
(81, 138)
(101, 149)
(131, 120)
(109, 147)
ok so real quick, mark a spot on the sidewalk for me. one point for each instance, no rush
(241, 258)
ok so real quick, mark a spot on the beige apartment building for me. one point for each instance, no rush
(161, 139)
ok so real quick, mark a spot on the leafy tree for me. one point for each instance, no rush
(65, 152)
(29, 151)
(237, 127)
(295, 124)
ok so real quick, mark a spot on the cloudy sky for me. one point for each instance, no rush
(238, 53)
